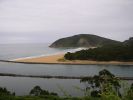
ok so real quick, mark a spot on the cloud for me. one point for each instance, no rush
(45, 18)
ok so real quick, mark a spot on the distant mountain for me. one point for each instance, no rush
(82, 40)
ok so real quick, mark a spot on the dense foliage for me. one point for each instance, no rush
(4, 91)
(112, 52)
(37, 91)
(105, 82)
(105, 86)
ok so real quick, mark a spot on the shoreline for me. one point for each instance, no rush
(31, 57)
(59, 59)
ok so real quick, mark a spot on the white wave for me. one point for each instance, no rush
(77, 49)
(29, 57)
(45, 55)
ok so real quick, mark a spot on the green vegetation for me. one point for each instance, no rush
(4, 91)
(113, 52)
(104, 86)
(102, 83)
(37, 91)
(82, 40)
(35, 94)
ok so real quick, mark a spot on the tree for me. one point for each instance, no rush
(102, 83)
(112, 52)
(129, 95)
(37, 91)
(4, 91)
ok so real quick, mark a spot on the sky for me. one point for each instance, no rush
(40, 21)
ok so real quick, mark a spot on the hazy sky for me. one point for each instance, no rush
(24, 21)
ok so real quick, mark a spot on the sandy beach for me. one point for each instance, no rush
(59, 59)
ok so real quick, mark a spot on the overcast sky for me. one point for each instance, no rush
(27, 21)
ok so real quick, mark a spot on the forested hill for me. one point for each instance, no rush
(113, 52)
(82, 40)
(129, 42)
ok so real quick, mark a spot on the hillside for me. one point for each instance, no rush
(112, 52)
(82, 40)
(129, 42)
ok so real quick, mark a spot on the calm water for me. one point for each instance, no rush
(64, 70)
(23, 85)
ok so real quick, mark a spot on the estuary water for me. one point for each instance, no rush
(22, 85)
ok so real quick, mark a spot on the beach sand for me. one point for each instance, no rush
(43, 59)
(59, 59)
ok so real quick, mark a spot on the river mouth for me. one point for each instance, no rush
(21, 78)
(64, 70)
(60, 75)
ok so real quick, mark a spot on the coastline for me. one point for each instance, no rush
(59, 59)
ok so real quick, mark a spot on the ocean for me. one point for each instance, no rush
(16, 51)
